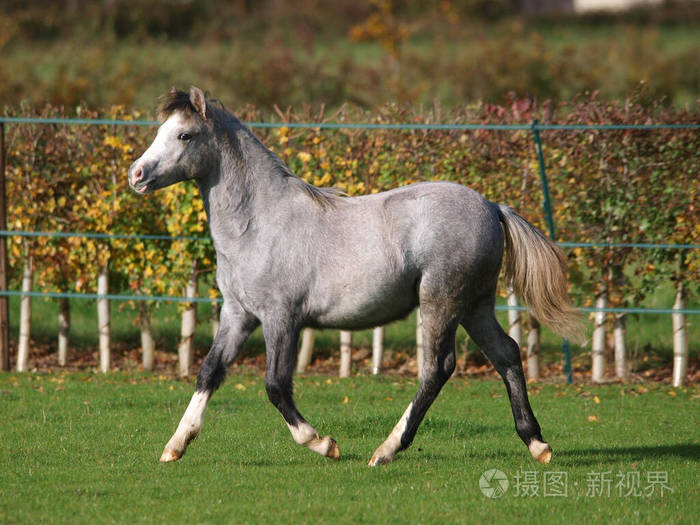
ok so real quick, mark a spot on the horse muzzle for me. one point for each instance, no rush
(138, 180)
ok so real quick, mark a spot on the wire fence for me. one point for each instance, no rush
(367, 126)
(534, 127)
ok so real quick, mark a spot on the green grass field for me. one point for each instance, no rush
(84, 448)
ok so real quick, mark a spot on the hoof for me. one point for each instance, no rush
(169, 455)
(541, 451)
(379, 460)
(545, 457)
(333, 451)
(325, 446)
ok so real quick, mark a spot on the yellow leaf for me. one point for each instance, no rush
(239, 386)
(593, 419)
(596, 400)
(110, 140)
(345, 400)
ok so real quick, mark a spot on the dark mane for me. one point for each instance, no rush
(175, 100)
(324, 197)
(172, 101)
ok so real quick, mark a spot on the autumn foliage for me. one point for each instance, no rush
(606, 185)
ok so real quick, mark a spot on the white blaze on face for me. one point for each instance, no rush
(165, 141)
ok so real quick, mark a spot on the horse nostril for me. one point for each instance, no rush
(137, 174)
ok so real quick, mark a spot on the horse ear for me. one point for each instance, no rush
(198, 101)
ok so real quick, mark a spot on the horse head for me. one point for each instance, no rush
(183, 149)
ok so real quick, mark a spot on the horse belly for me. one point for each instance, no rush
(364, 302)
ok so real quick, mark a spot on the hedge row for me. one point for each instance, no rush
(606, 185)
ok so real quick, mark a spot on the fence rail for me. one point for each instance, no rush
(535, 127)
(129, 297)
(369, 125)
(183, 299)
(139, 236)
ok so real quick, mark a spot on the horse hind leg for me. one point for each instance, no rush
(438, 365)
(503, 352)
(281, 363)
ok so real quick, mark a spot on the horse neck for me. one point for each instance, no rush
(247, 182)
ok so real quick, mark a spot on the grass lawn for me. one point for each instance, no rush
(84, 448)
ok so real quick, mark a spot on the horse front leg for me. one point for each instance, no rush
(234, 329)
(281, 363)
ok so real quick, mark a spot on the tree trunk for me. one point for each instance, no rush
(215, 313)
(63, 330)
(306, 350)
(514, 319)
(680, 338)
(345, 353)
(103, 319)
(619, 328)
(619, 336)
(189, 322)
(25, 317)
(598, 348)
(147, 346)
(533, 349)
(419, 343)
(377, 349)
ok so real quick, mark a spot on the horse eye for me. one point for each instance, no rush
(184, 136)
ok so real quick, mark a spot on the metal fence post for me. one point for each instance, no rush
(4, 300)
(565, 347)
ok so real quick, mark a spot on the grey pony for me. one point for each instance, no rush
(291, 255)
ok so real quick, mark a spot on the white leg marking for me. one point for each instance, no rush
(387, 450)
(188, 429)
(542, 452)
(306, 435)
(303, 433)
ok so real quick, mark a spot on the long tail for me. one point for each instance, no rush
(536, 269)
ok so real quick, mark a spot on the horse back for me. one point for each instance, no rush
(375, 252)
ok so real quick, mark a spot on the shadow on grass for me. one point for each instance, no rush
(378, 427)
(588, 456)
(596, 456)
